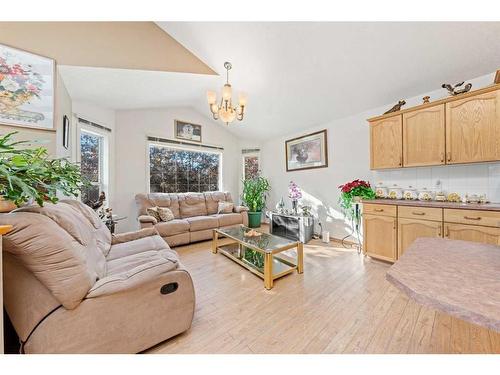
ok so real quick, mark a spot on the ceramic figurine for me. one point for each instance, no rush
(396, 107)
(454, 90)
(426, 99)
(280, 206)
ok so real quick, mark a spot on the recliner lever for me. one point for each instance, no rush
(169, 288)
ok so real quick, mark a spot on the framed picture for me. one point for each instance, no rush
(187, 131)
(27, 84)
(497, 77)
(307, 152)
(65, 132)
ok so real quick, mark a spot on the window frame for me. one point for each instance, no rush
(103, 174)
(182, 148)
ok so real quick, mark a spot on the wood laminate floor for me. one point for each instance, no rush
(341, 304)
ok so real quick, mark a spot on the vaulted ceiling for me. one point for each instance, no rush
(301, 74)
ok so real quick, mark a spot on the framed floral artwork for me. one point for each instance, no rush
(307, 152)
(27, 83)
(187, 131)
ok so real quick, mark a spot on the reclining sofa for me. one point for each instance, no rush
(70, 287)
(195, 215)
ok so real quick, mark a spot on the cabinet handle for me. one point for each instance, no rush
(442, 157)
(440, 233)
(418, 213)
(449, 155)
(378, 209)
(400, 161)
(472, 218)
(447, 232)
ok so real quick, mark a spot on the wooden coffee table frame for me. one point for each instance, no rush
(267, 275)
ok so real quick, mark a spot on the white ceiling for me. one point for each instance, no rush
(298, 75)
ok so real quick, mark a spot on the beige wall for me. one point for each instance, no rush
(132, 128)
(126, 45)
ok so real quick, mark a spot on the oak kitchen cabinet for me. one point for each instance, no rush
(455, 130)
(473, 233)
(380, 232)
(411, 229)
(424, 137)
(386, 143)
(473, 129)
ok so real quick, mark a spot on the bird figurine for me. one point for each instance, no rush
(426, 99)
(396, 107)
(456, 90)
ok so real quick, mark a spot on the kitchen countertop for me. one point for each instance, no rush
(416, 203)
(458, 277)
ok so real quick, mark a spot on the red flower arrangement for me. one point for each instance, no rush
(353, 189)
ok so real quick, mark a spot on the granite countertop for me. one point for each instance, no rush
(458, 277)
(416, 203)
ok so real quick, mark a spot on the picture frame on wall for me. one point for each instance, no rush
(307, 152)
(27, 89)
(66, 127)
(497, 77)
(187, 131)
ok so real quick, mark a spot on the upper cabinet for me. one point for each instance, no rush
(473, 129)
(386, 143)
(455, 130)
(423, 137)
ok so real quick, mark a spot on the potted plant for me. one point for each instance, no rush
(352, 192)
(255, 191)
(29, 175)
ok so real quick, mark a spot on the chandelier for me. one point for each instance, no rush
(225, 110)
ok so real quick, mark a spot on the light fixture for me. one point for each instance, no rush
(225, 110)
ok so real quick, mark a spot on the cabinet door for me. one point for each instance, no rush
(423, 137)
(410, 229)
(473, 129)
(386, 143)
(473, 233)
(380, 236)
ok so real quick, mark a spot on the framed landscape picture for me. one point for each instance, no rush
(26, 89)
(65, 132)
(187, 131)
(307, 152)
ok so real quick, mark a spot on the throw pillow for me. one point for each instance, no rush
(153, 211)
(225, 207)
(165, 213)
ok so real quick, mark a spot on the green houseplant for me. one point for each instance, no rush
(255, 191)
(28, 174)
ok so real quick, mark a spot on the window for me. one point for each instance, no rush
(92, 164)
(251, 168)
(179, 170)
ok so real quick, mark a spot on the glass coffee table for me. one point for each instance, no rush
(259, 254)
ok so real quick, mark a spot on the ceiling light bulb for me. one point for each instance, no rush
(211, 97)
(243, 99)
(214, 108)
(227, 92)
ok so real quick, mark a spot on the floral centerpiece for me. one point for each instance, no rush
(294, 193)
(352, 192)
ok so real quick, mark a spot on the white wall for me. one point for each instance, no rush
(104, 117)
(132, 128)
(348, 148)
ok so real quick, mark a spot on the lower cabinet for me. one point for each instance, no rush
(411, 229)
(473, 233)
(380, 236)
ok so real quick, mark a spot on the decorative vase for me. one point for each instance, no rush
(254, 219)
(280, 206)
(295, 204)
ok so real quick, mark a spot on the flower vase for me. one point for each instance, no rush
(295, 204)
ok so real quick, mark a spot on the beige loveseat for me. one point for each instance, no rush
(195, 215)
(70, 287)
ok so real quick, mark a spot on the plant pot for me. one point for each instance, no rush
(6, 206)
(254, 219)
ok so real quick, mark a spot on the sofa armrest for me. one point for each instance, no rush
(147, 219)
(132, 236)
(240, 209)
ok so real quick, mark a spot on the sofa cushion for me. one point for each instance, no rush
(202, 222)
(131, 271)
(229, 219)
(168, 200)
(172, 227)
(149, 240)
(225, 207)
(212, 199)
(192, 204)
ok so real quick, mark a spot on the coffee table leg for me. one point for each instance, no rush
(300, 257)
(268, 271)
(214, 241)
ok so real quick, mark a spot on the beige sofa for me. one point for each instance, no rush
(70, 287)
(195, 215)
